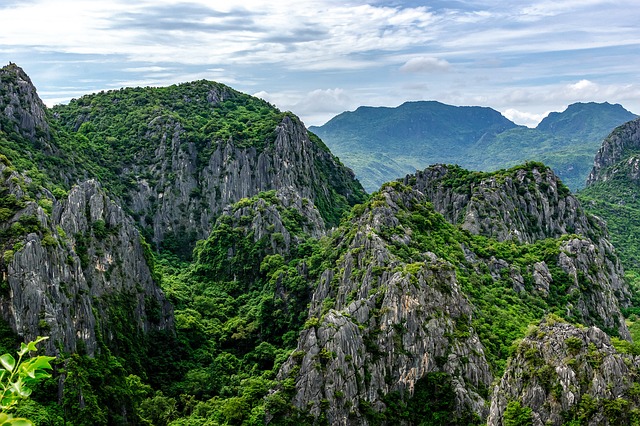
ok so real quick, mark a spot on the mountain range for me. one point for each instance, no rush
(381, 144)
(197, 257)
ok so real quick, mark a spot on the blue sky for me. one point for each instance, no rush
(319, 58)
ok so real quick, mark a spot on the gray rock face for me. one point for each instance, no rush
(182, 196)
(562, 373)
(525, 206)
(378, 324)
(598, 281)
(619, 144)
(64, 271)
(264, 218)
(22, 106)
(381, 319)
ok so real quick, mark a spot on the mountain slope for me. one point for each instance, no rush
(405, 312)
(178, 155)
(407, 135)
(381, 144)
(612, 192)
(409, 299)
(562, 374)
(84, 184)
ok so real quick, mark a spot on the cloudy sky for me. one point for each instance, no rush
(319, 58)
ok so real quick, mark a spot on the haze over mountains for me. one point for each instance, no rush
(381, 143)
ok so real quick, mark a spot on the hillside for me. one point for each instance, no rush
(87, 185)
(382, 144)
(198, 258)
(612, 193)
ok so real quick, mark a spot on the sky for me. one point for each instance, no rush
(322, 57)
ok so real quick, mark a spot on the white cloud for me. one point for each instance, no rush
(582, 86)
(525, 56)
(153, 69)
(524, 118)
(314, 107)
(425, 65)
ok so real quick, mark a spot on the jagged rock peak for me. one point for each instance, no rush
(379, 325)
(561, 374)
(76, 270)
(622, 142)
(525, 203)
(21, 109)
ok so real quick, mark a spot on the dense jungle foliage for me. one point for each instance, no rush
(242, 298)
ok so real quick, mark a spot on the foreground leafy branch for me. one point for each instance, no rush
(16, 377)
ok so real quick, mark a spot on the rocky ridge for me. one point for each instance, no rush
(529, 204)
(64, 262)
(618, 146)
(394, 306)
(22, 109)
(233, 173)
(182, 177)
(562, 374)
(379, 324)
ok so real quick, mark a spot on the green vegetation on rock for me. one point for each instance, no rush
(292, 298)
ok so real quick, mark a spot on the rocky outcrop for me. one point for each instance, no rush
(23, 111)
(620, 145)
(394, 308)
(527, 204)
(75, 270)
(562, 374)
(524, 204)
(185, 170)
(598, 285)
(186, 198)
(378, 324)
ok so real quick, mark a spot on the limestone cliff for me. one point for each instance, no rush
(292, 164)
(22, 110)
(404, 293)
(74, 269)
(199, 147)
(379, 323)
(562, 374)
(622, 145)
(526, 205)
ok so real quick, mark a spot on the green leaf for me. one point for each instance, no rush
(8, 362)
(19, 422)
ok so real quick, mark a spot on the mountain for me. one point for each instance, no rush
(612, 192)
(177, 156)
(432, 280)
(86, 185)
(564, 374)
(585, 120)
(381, 144)
(197, 257)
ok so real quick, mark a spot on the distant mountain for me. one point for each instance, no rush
(585, 120)
(382, 143)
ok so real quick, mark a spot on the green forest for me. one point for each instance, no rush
(242, 296)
